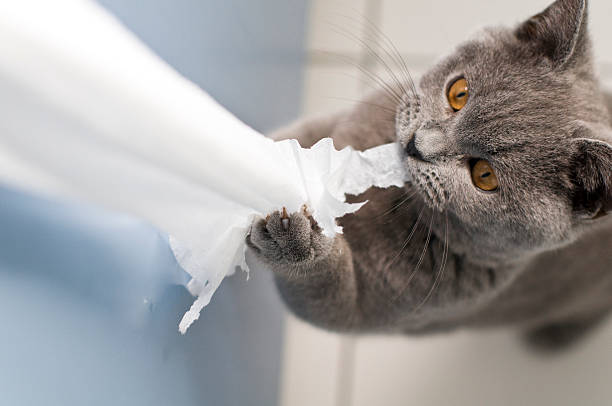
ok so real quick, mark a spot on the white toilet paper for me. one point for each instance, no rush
(89, 112)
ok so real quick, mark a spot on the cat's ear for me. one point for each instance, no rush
(592, 178)
(558, 33)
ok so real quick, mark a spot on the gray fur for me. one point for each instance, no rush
(536, 253)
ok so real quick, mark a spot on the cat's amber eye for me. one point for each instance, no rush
(483, 175)
(458, 94)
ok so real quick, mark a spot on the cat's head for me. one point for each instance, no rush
(508, 135)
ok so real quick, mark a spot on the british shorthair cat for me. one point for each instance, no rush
(508, 146)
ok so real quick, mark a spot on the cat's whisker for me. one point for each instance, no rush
(372, 52)
(424, 251)
(380, 121)
(389, 71)
(379, 83)
(395, 55)
(393, 216)
(388, 47)
(421, 257)
(407, 196)
(399, 199)
(373, 80)
(382, 83)
(379, 106)
(440, 272)
(407, 240)
(368, 82)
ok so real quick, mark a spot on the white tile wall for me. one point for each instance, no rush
(601, 30)
(479, 368)
(433, 27)
(330, 87)
(332, 22)
(465, 368)
(311, 365)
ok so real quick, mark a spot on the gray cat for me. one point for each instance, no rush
(509, 146)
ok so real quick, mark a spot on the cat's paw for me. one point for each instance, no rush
(281, 239)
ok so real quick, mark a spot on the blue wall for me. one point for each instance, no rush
(248, 54)
(90, 300)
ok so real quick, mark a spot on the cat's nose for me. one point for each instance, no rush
(412, 150)
(427, 144)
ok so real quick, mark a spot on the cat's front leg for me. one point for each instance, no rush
(314, 273)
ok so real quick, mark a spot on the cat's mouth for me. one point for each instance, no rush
(425, 180)
(424, 175)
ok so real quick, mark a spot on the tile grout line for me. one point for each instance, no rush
(346, 371)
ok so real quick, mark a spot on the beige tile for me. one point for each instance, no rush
(311, 365)
(601, 29)
(606, 78)
(480, 368)
(433, 27)
(332, 23)
(330, 88)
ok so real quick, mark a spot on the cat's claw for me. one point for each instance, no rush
(283, 238)
(285, 219)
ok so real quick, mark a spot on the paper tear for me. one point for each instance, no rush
(322, 175)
